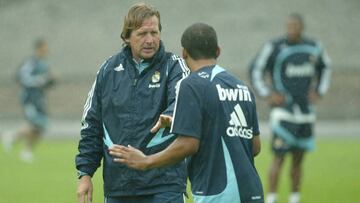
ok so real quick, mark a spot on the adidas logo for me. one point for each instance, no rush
(119, 68)
(238, 124)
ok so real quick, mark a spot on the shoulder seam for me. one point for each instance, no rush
(183, 66)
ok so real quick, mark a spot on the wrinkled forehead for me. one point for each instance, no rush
(149, 24)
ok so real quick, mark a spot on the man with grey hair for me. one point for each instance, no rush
(131, 103)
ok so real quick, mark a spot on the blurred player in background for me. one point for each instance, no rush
(134, 91)
(216, 122)
(299, 72)
(35, 79)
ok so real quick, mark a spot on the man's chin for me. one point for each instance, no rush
(148, 55)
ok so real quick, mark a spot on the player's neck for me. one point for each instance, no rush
(294, 39)
(195, 65)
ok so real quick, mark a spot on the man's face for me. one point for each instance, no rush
(145, 41)
(294, 29)
(43, 50)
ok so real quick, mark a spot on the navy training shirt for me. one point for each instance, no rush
(294, 68)
(219, 110)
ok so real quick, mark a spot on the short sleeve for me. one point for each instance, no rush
(187, 119)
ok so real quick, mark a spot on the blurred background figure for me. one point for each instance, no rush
(35, 78)
(300, 74)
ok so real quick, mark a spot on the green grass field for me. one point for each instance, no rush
(331, 174)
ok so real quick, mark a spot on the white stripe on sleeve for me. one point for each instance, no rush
(89, 99)
(324, 82)
(87, 105)
(185, 69)
(176, 101)
(257, 73)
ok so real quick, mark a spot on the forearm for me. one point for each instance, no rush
(90, 154)
(324, 81)
(256, 145)
(181, 148)
(33, 81)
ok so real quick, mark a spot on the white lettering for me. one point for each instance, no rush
(255, 197)
(157, 85)
(303, 70)
(242, 93)
(239, 131)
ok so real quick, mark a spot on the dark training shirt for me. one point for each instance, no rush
(219, 110)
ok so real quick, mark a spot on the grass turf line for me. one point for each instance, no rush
(331, 174)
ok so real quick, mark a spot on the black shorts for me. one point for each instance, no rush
(292, 130)
(292, 137)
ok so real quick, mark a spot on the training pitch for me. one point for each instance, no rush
(331, 174)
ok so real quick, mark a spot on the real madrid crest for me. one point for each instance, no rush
(156, 77)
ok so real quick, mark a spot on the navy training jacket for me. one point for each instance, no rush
(121, 108)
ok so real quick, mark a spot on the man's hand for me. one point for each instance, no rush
(51, 81)
(85, 190)
(182, 147)
(129, 156)
(276, 99)
(313, 96)
(163, 122)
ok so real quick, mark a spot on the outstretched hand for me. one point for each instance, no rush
(163, 122)
(276, 99)
(129, 156)
(313, 96)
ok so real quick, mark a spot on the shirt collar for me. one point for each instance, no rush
(141, 65)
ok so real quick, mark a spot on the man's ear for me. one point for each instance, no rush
(184, 54)
(218, 50)
(127, 41)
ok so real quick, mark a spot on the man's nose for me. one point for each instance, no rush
(149, 38)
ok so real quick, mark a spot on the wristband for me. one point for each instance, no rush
(81, 174)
